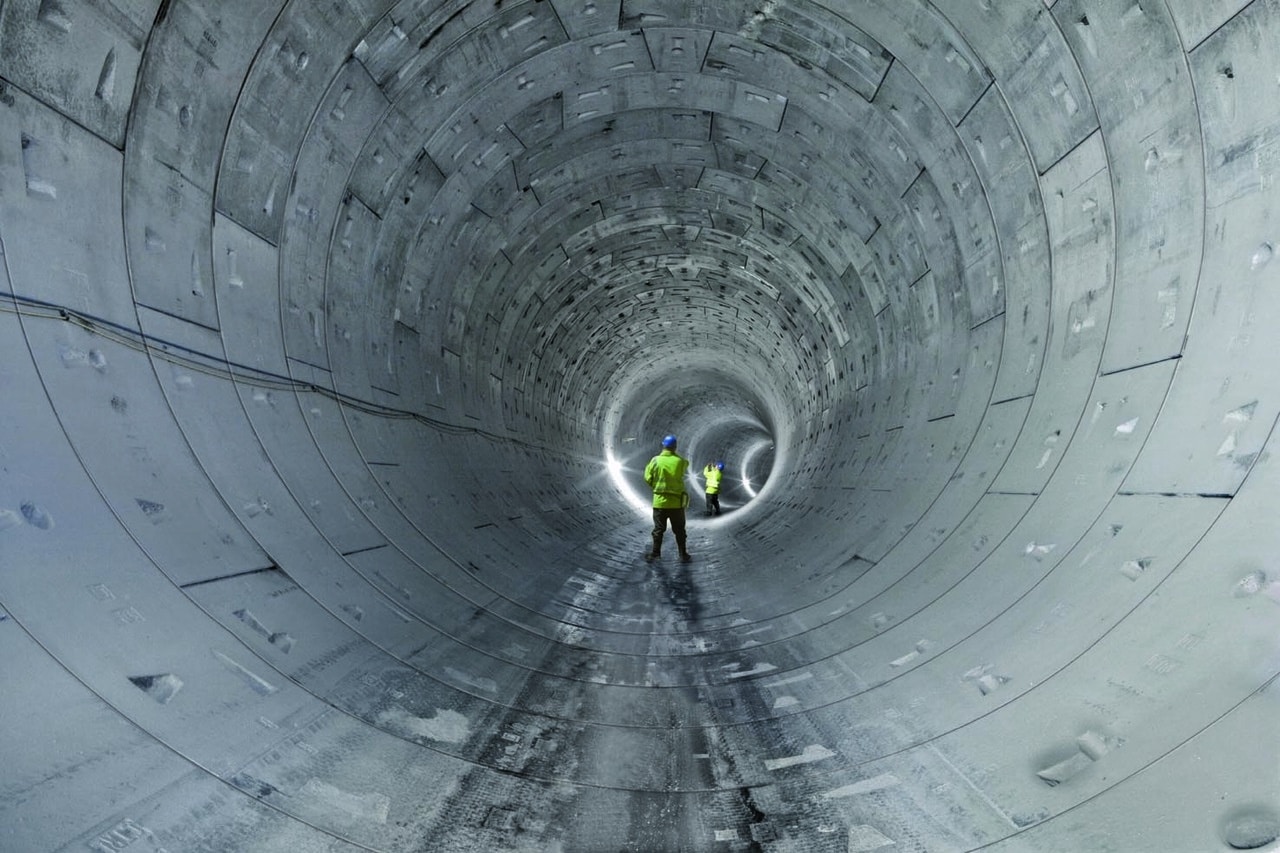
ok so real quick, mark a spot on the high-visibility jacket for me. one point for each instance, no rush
(713, 475)
(665, 475)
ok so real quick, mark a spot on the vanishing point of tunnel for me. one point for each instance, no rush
(335, 336)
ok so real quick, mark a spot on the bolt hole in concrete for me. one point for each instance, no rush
(1251, 828)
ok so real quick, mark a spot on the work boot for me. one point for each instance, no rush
(685, 556)
(650, 556)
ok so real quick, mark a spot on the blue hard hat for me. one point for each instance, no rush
(720, 466)
(669, 442)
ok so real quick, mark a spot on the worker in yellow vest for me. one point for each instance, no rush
(665, 475)
(712, 473)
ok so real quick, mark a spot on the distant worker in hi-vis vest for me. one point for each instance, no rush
(713, 473)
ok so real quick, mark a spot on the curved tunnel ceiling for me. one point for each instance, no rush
(335, 335)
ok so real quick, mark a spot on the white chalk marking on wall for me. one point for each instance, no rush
(813, 752)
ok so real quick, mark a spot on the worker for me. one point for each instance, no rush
(712, 473)
(665, 475)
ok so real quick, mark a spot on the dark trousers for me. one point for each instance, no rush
(660, 519)
(713, 503)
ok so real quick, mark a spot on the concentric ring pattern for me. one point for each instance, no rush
(336, 334)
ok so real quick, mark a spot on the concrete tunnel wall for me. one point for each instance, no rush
(322, 322)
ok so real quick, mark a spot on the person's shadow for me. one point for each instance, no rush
(678, 587)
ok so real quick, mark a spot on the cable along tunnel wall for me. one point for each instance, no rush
(321, 322)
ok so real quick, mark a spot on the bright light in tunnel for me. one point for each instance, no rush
(622, 482)
(746, 465)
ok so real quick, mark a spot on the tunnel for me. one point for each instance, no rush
(335, 337)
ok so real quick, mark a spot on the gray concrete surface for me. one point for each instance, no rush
(334, 337)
